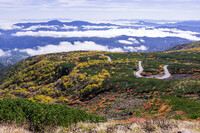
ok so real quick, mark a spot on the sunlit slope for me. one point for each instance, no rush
(90, 81)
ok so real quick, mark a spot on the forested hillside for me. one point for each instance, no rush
(87, 80)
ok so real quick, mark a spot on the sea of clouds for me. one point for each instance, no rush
(111, 33)
(50, 27)
(131, 44)
(130, 41)
(68, 46)
(89, 27)
(84, 46)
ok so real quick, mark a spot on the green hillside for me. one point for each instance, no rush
(186, 46)
(88, 81)
(40, 116)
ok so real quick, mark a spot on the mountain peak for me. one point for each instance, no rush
(79, 23)
(54, 22)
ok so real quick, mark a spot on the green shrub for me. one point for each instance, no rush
(190, 107)
(41, 115)
(177, 117)
(64, 69)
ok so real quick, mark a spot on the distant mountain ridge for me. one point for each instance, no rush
(190, 23)
(9, 41)
(130, 36)
(57, 22)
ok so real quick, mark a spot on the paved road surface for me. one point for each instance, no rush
(109, 59)
(138, 73)
(166, 72)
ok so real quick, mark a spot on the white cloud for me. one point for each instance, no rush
(142, 40)
(15, 49)
(4, 53)
(135, 49)
(52, 27)
(133, 40)
(125, 42)
(66, 27)
(174, 30)
(67, 46)
(35, 27)
(142, 32)
(106, 9)
(116, 22)
(130, 41)
(88, 27)
(73, 2)
(166, 22)
(9, 26)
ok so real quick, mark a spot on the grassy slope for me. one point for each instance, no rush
(88, 81)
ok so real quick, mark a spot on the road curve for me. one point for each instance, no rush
(138, 73)
(109, 59)
(166, 72)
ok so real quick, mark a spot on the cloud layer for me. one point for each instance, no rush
(88, 27)
(35, 27)
(8, 26)
(135, 49)
(125, 42)
(130, 41)
(51, 27)
(67, 46)
(142, 32)
(4, 53)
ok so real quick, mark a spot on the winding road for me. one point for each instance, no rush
(166, 72)
(138, 73)
(109, 59)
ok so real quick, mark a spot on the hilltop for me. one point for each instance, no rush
(186, 46)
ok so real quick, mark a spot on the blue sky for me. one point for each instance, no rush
(100, 9)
